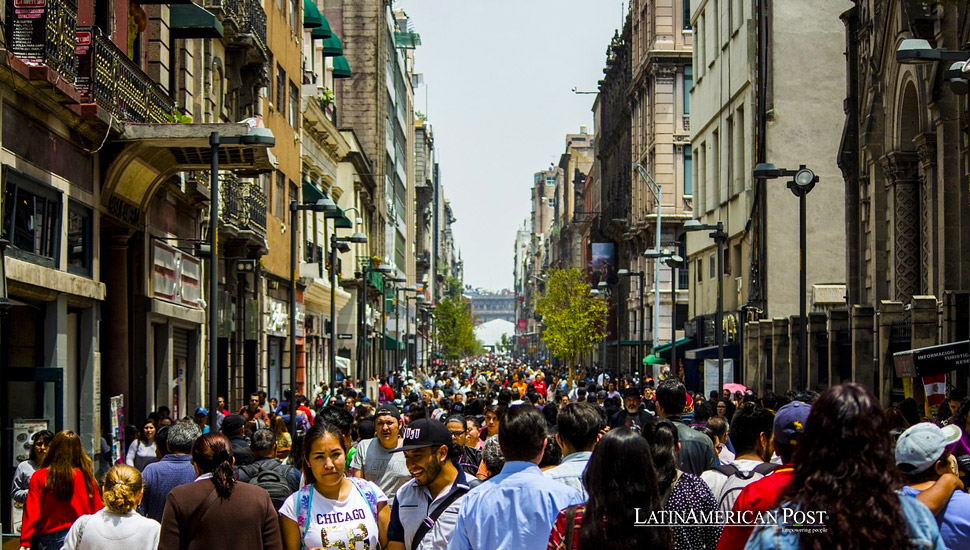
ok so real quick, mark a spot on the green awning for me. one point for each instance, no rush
(311, 15)
(666, 347)
(341, 69)
(391, 343)
(189, 21)
(311, 194)
(343, 222)
(653, 360)
(323, 31)
(332, 47)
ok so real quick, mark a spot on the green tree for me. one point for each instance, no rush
(456, 328)
(505, 344)
(574, 320)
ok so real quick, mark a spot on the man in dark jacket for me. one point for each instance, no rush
(234, 427)
(264, 449)
(696, 449)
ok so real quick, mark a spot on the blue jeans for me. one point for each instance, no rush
(49, 541)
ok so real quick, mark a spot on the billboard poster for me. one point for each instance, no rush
(603, 265)
(118, 448)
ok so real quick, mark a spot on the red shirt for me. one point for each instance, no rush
(557, 538)
(760, 496)
(44, 513)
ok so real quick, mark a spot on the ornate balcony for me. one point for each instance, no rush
(40, 35)
(107, 78)
(245, 23)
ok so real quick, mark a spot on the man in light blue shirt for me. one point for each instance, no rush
(579, 426)
(516, 509)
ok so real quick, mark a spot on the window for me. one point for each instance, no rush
(280, 195)
(280, 89)
(715, 26)
(686, 7)
(700, 269)
(293, 193)
(688, 85)
(79, 239)
(739, 150)
(713, 266)
(688, 172)
(294, 114)
(294, 15)
(699, 46)
(32, 216)
(729, 157)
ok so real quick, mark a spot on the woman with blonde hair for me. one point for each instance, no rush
(284, 442)
(60, 492)
(117, 526)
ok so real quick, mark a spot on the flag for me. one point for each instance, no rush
(935, 386)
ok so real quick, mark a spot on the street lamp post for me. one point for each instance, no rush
(335, 242)
(802, 183)
(720, 237)
(673, 261)
(640, 275)
(327, 207)
(397, 323)
(260, 137)
(362, 349)
(655, 189)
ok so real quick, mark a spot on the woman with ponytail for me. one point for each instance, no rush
(215, 511)
(63, 490)
(117, 526)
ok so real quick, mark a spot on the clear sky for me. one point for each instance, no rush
(498, 79)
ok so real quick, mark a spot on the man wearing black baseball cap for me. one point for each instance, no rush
(426, 507)
(374, 460)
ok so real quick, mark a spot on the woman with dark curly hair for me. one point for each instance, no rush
(845, 468)
(620, 472)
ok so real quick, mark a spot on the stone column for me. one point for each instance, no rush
(900, 172)
(795, 352)
(838, 327)
(924, 332)
(817, 331)
(116, 322)
(889, 313)
(926, 153)
(779, 355)
(753, 377)
(860, 324)
(765, 360)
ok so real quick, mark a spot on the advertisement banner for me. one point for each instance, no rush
(603, 266)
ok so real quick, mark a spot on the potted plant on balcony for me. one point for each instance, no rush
(375, 261)
(326, 97)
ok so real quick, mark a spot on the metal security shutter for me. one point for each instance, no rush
(180, 343)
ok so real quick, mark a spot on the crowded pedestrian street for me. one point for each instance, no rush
(504, 275)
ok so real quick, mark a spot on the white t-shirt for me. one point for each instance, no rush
(334, 524)
(375, 463)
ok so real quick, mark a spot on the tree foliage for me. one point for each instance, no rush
(574, 320)
(456, 328)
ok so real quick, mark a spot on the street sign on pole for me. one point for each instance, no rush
(345, 336)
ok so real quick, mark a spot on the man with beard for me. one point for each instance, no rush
(632, 415)
(424, 512)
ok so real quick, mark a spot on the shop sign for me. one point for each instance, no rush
(176, 276)
(277, 318)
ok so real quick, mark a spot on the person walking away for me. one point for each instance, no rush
(332, 510)
(697, 452)
(61, 491)
(483, 521)
(846, 458)
(173, 470)
(39, 444)
(680, 491)
(141, 452)
(579, 427)
(234, 428)
(280, 480)
(215, 511)
(117, 526)
(374, 460)
(620, 471)
(425, 509)
(751, 434)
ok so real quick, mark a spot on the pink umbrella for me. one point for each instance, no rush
(732, 387)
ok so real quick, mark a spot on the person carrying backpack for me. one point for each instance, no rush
(278, 479)
(751, 435)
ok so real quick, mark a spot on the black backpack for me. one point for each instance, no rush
(271, 478)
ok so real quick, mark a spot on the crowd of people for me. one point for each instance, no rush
(492, 454)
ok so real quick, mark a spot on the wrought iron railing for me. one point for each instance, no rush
(107, 77)
(254, 207)
(42, 33)
(243, 203)
(230, 195)
(245, 16)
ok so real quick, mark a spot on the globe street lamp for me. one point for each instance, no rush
(802, 182)
(640, 275)
(720, 237)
